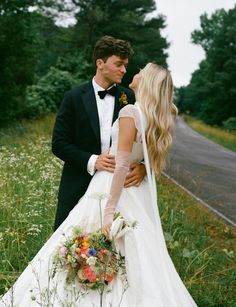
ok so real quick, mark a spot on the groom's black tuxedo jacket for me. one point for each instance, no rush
(76, 136)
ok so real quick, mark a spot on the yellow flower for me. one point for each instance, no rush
(123, 98)
(85, 243)
(80, 274)
(76, 242)
(69, 258)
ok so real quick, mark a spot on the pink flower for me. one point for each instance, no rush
(103, 252)
(63, 251)
(89, 274)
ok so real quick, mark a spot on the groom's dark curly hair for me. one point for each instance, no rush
(108, 46)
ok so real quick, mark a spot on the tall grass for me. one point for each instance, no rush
(218, 135)
(28, 188)
(202, 247)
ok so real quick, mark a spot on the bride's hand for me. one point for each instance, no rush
(106, 230)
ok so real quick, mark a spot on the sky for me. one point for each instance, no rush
(182, 17)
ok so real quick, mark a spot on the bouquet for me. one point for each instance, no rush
(92, 259)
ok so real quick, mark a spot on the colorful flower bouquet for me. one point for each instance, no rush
(91, 258)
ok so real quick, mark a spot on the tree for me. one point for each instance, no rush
(211, 94)
(19, 52)
(122, 19)
(31, 43)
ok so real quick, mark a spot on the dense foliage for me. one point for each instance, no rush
(211, 94)
(31, 43)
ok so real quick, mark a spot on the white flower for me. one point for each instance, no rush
(91, 261)
(119, 228)
(99, 196)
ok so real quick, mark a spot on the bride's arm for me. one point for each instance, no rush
(127, 135)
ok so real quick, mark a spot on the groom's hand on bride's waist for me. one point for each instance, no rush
(137, 172)
(136, 175)
(105, 162)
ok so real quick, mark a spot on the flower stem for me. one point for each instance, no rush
(101, 296)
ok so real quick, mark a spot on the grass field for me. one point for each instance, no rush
(217, 135)
(202, 247)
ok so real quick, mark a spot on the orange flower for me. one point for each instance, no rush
(109, 278)
(85, 243)
(83, 250)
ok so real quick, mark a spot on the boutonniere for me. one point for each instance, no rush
(123, 99)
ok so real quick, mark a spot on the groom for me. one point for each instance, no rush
(82, 132)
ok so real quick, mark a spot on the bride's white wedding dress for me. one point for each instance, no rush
(153, 280)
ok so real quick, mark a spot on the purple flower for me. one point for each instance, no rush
(92, 252)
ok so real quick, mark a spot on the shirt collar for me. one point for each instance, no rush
(97, 87)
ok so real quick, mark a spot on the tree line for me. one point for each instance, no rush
(211, 93)
(40, 59)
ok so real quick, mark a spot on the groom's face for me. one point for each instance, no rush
(113, 69)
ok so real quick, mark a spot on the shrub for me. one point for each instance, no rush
(77, 65)
(47, 94)
(230, 124)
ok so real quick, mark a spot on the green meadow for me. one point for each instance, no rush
(202, 246)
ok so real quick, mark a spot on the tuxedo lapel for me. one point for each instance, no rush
(90, 104)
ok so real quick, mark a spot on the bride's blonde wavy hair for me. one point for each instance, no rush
(155, 96)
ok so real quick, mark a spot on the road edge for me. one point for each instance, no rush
(226, 219)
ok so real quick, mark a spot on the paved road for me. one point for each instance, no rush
(206, 169)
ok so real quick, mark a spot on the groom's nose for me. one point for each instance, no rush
(123, 69)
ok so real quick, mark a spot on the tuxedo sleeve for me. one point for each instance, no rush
(62, 139)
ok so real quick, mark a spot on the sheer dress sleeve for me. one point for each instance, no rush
(122, 166)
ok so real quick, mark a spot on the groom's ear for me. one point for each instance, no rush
(99, 63)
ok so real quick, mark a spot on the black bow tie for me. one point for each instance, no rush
(111, 91)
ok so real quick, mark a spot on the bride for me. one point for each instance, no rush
(142, 131)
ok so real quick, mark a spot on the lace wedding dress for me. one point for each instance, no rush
(152, 278)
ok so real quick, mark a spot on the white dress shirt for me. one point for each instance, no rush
(105, 113)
